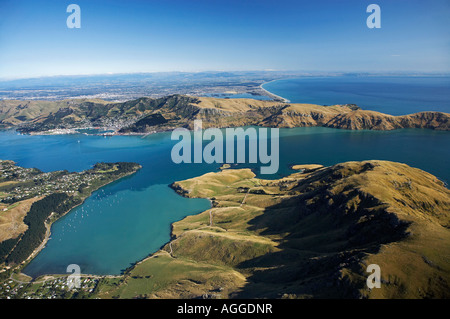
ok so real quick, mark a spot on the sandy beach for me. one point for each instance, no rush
(271, 94)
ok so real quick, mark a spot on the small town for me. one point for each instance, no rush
(18, 183)
(51, 288)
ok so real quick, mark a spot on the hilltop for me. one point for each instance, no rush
(308, 235)
(146, 115)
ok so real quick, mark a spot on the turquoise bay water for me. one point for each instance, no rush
(129, 219)
(125, 221)
(390, 95)
(113, 228)
(122, 222)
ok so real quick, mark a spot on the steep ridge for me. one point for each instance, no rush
(180, 111)
(309, 235)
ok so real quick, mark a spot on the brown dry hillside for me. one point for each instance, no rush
(148, 115)
(11, 218)
(309, 235)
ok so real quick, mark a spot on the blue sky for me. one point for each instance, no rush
(197, 35)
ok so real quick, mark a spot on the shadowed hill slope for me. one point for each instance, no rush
(146, 115)
(309, 235)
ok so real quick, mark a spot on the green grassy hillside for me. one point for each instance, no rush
(309, 235)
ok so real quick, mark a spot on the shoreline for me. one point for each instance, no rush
(339, 118)
(160, 251)
(124, 271)
(170, 241)
(271, 94)
(49, 223)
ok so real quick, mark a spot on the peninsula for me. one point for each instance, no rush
(147, 115)
(31, 200)
(311, 234)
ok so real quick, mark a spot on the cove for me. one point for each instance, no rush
(129, 219)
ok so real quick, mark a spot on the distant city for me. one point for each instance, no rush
(123, 87)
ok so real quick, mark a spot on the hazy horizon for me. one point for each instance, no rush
(120, 37)
(297, 73)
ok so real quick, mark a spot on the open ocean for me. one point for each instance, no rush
(391, 95)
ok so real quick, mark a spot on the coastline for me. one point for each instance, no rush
(172, 237)
(224, 113)
(271, 94)
(161, 251)
(133, 264)
(49, 223)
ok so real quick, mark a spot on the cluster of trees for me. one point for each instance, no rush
(126, 167)
(122, 167)
(16, 250)
(6, 246)
(82, 187)
(143, 124)
(67, 205)
(35, 219)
